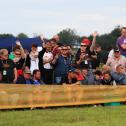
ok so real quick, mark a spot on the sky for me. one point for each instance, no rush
(49, 17)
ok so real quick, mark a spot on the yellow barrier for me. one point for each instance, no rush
(25, 96)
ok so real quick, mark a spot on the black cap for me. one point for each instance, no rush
(116, 49)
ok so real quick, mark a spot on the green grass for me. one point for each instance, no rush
(76, 116)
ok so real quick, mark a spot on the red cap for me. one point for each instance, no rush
(86, 41)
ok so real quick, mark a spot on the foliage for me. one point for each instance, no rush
(107, 41)
(22, 35)
(6, 35)
(68, 36)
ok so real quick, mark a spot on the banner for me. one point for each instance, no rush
(27, 96)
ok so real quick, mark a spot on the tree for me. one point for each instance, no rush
(6, 35)
(68, 36)
(22, 35)
(109, 40)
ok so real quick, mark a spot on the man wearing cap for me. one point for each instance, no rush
(116, 60)
(25, 78)
(83, 54)
(121, 42)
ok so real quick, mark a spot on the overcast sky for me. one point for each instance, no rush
(48, 17)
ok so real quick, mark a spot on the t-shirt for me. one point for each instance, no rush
(46, 56)
(121, 40)
(7, 72)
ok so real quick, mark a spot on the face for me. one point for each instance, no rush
(85, 72)
(106, 76)
(17, 54)
(98, 49)
(53, 44)
(123, 32)
(97, 76)
(34, 49)
(121, 69)
(64, 50)
(27, 76)
(37, 76)
(5, 55)
(83, 47)
(48, 46)
(105, 68)
(117, 54)
(69, 50)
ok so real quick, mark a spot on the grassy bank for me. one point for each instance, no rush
(77, 116)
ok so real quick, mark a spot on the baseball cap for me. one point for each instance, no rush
(86, 41)
(116, 49)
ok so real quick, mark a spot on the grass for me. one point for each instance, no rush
(76, 116)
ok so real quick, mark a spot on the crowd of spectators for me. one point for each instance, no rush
(60, 64)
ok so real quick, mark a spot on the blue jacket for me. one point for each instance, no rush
(119, 78)
(62, 66)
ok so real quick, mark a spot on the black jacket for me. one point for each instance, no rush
(22, 80)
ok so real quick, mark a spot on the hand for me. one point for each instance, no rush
(14, 81)
(42, 36)
(95, 34)
(56, 37)
(56, 56)
(18, 43)
(82, 56)
(50, 59)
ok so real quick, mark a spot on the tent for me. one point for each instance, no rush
(9, 42)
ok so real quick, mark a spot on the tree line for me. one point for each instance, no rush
(70, 36)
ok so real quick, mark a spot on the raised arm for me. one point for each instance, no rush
(23, 55)
(95, 34)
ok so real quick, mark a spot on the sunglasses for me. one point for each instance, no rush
(83, 45)
(17, 54)
(116, 51)
(64, 49)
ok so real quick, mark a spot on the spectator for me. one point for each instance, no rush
(83, 54)
(55, 49)
(37, 77)
(33, 58)
(118, 59)
(121, 42)
(97, 77)
(88, 76)
(119, 75)
(25, 78)
(105, 68)
(7, 68)
(72, 76)
(71, 55)
(96, 56)
(48, 69)
(19, 58)
(107, 79)
(62, 66)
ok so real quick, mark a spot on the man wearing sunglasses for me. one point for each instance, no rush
(83, 54)
(7, 68)
(62, 65)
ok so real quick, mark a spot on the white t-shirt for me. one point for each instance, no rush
(46, 56)
(111, 54)
(34, 61)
